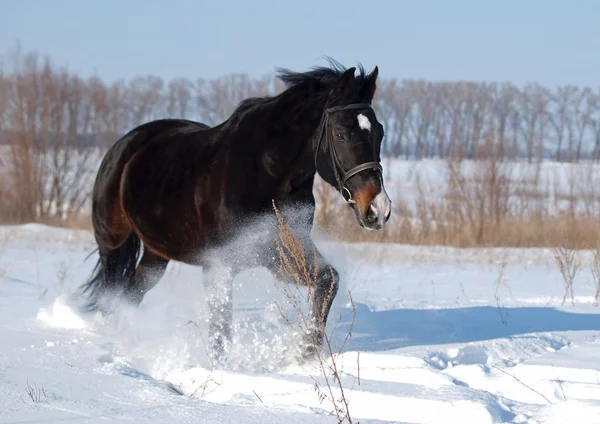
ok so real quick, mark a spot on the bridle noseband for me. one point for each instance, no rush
(344, 191)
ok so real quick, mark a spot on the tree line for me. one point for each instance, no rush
(42, 104)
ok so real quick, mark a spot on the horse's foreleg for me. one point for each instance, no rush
(323, 294)
(323, 289)
(218, 282)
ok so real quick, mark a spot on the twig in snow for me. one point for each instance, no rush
(358, 367)
(204, 385)
(562, 390)
(529, 387)
(499, 280)
(195, 324)
(596, 275)
(34, 393)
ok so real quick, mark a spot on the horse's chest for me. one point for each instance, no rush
(283, 188)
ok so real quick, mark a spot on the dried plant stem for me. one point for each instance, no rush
(297, 269)
(568, 263)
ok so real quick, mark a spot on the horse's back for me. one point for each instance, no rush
(111, 226)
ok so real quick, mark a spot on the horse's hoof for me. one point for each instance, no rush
(310, 350)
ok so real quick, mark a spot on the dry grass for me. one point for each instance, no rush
(568, 264)
(16, 208)
(12, 197)
(294, 264)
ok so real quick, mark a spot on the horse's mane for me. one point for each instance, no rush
(322, 75)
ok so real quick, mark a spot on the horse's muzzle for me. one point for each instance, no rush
(378, 212)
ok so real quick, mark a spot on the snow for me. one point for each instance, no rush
(441, 335)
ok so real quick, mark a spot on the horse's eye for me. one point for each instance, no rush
(339, 135)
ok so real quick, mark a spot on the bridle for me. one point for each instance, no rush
(346, 175)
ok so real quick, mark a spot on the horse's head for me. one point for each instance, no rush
(348, 145)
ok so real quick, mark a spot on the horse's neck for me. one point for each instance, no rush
(290, 154)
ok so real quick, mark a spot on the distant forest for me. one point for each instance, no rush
(43, 104)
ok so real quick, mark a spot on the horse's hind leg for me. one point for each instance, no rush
(148, 273)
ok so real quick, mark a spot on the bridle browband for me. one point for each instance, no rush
(344, 191)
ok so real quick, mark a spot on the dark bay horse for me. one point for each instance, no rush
(179, 188)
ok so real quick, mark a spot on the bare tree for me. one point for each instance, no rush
(117, 117)
(179, 98)
(393, 109)
(145, 99)
(503, 100)
(477, 104)
(532, 106)
(592, 114)
(454, 107)
(441, 133)
(97, 93)
(422, 115)
(579, 120)
(48, 113)
(558, 115)
(24, 135)
(4, 84)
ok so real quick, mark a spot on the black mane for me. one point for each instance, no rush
(319, 76)
(328, 75)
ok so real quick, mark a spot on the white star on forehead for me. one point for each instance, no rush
(363, 122)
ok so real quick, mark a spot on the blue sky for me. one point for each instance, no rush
(548, 41)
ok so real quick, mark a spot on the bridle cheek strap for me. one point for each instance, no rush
(324, 133)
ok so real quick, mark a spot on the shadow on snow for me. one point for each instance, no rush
(392, 329)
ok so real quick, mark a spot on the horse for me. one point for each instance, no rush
(178, 188)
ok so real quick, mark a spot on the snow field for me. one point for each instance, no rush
(441, 335)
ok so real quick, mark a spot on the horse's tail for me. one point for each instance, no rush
(112, 271)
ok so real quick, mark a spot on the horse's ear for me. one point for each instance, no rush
(346, 79)
(370, 84)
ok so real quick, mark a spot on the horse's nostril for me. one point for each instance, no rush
(371, 213)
